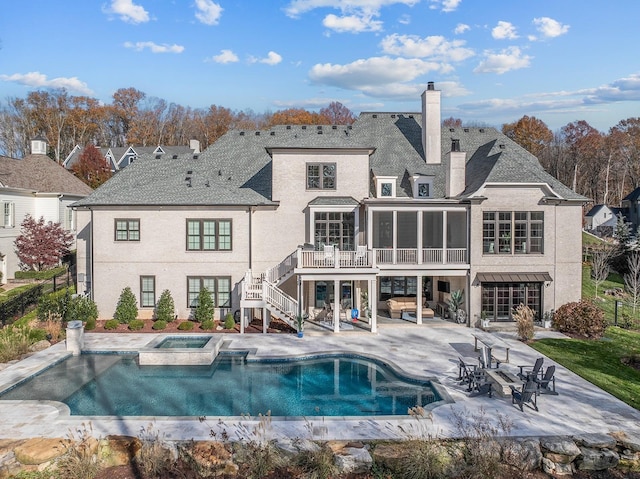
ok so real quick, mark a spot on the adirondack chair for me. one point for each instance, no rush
(531, 371)
(526, 394)
(475, 379)
(547, 383)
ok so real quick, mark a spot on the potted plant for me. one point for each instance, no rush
(484, 320)
(455, 301)
(300, 320)
(547, 318)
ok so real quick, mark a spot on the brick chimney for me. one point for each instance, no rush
(431, 125)
(456, 173)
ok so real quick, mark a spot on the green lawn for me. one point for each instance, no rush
(599, 362)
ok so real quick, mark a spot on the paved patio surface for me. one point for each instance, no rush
(429, 351)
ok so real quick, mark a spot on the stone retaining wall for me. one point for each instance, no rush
(554, 455)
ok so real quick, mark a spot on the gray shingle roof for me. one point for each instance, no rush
(40, 173)
(236, 169)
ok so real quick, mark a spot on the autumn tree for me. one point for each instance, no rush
(585, 146)
(296, 116)
(41, 245)
(624, 140)
(337, 114)
(92, 167)
(530, 133)
(452, 122)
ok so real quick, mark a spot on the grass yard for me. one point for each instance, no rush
(600, 361)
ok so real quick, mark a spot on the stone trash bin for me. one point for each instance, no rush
(75, 337)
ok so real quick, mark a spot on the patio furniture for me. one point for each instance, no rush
(486, 358)
(548, 379)
(398, 305)
(532, 371)
(492, 342)
(475, 379)
(526, 394)
(329, 254)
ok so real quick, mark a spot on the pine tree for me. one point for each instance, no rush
(127, 309)
(206, 307)
(165, 310)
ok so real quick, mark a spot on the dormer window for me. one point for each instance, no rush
(422, 186)
(386, 186)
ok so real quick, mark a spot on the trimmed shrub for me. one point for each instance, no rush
(581, 318)
(39, 275)
(186, 326)
(127, 309)
(54, 306)
(136, 325)
(165, 309)
(111, 324)
(207, 325)
(229, 322)
(90, 325)
(205, 308)
(159, 325)
(82, 308)
(524, 319)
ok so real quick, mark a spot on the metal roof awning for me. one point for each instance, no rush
(513, 277)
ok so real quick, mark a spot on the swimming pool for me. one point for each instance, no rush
(331, 385)
(188, 342)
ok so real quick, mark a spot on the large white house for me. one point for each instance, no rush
(319, 219)
(38, 186)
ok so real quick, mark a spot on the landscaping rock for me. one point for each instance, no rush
(524, 454)
(601, 441)
(559, 450)
(118, 450)
(9, 465)
(39, 346)
(40, 450)
(390, 455)
(557, 469)
(208, 458)
(597, 459)
(630, 442)
(293, 447)
(353, 460)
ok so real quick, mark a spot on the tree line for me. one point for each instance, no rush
(604, 167)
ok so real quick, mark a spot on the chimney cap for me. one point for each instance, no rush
(430, 86)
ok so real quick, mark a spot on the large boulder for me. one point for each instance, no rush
(40, 450)
(208, 458)
(559, 450)
(599, 441)
(524, 454)
(355, 460)
(118, 450)
(593, 459)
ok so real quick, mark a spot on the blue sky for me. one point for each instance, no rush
(494, 60)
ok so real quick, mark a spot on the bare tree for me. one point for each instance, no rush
(632, 278)
(600, 266)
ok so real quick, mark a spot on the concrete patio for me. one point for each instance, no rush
(428, 351)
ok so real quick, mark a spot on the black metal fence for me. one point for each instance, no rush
(625, 315)
(22, 303)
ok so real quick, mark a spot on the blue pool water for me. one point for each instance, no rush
(184, 342)
(115, 385)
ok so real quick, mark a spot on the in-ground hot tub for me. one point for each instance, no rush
(178, 350)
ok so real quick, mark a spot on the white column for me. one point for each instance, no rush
(373, 304)
(444, 236)
(419, 300)
(265, 313)
(242, 312)
(336, 306)
(419, 236)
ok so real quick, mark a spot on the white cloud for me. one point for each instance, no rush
(298, 7)
(550, 28)
(208, 12)
(435, 47)
(128, 11)
(377, 76)
(445, 5)
(508, 59)
(352, 23)
(272, 58)
(504, 31)
(225, 56)
(461, 28)
(624, 89)
(39, 80)
(154, 47)
(404, 20)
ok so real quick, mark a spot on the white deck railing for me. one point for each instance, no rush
(282, 269)
(284, 303)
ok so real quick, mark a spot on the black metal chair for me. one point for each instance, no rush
(474, 378)
(526, 394)
(547, 383)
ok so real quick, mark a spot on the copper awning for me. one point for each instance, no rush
(513, 277)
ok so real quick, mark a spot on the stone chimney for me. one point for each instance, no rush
(195, 146)
(431, 125)
(455, 179)
(39, 146)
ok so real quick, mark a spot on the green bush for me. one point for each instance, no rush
(186, 326)
(111, 324)
(127, 309)
(136, 325)
(90, 325)
(207, 325)
(40, 275)
(37, 334)
(159, 325)
(165, 309)
(14, 342)
(229, 322)
(82, 308)
(582, 318)
(205, 308)
(54, 306)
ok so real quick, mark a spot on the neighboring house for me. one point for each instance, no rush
(631, 209)
(38, 186)
(319, 219)
(602, 219)
(119, 158)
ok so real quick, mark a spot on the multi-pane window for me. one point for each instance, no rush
(209, 235)
(499, 300)
(423, 190)
(506, 232)
(393, 286)
(147, 291)
(218, 286)
(321, 176)
(127, 229)
(335, 228)
(386, 189)
(8, 214)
